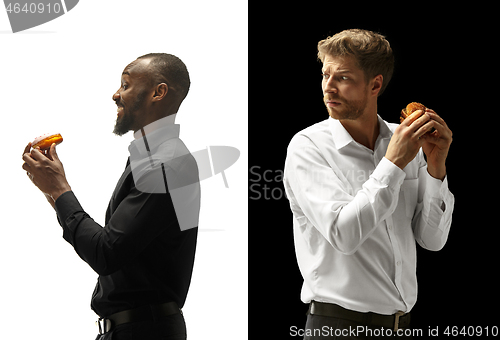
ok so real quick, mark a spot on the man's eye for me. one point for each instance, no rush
(325, 76)
(124, 86)
(344, 78)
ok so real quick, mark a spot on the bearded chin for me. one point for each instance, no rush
(123, 124)
(126, 122)
(349, 110)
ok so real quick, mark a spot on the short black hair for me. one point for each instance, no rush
(169, 69)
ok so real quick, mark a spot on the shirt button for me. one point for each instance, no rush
(398, 263)
(390, 227)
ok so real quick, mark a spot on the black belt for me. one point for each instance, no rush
(394, 321)
(144, 313)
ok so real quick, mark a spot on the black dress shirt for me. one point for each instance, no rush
(141, 254)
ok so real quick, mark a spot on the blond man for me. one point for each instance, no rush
(362, 195)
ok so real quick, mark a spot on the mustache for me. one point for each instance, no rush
(332, 98)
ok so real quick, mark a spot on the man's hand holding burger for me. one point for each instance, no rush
(423, 129)
(436, 145)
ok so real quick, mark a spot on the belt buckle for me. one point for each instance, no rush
(104, 325)
(396, 320)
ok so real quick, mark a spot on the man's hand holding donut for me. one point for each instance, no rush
(46, 172)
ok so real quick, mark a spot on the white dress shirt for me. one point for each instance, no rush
(356, 217)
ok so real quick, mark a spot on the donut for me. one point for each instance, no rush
(410, 108)
(45, 141)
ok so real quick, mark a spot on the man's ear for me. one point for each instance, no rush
(376, 84)
(161, 91)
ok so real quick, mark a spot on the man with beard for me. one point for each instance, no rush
(362, 195)
(144, 254)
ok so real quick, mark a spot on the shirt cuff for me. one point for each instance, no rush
(67, 205)
(437, 197)
(435, 187)
(389, 174)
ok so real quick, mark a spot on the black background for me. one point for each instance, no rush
(445, 60)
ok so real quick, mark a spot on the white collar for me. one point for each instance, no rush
(162, 122)
(341, 137)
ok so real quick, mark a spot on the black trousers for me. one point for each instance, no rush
(324, 327)
(171, 327)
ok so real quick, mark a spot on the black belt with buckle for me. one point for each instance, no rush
(394, 321)
(144, 313)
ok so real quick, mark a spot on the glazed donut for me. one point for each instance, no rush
(410, 108)
(45, 141)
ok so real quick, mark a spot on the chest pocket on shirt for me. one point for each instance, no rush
(409, 191)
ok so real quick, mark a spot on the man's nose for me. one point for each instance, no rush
(116, 96)
(330, 88)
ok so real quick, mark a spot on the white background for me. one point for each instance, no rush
(59, 77)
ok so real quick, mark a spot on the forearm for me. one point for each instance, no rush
(432, 223)
(134, 224)
(347, 221)
(79, 229)
(372, 204)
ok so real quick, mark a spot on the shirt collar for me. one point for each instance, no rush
(341, 137)
(168, 120)
(385, 131)
(160, 131)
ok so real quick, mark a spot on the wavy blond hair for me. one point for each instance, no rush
(371, 51)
